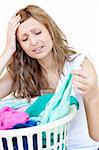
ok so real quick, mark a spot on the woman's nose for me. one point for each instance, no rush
(33, 40)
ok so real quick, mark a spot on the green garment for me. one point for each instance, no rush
(52, 101)
(36, 108)
(39, 105)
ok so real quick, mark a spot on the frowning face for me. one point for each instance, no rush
(34, 38)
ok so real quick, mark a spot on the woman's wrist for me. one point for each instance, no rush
(8, 51)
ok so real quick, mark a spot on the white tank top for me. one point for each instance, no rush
(78, 137)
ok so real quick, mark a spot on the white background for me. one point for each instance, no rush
(79, 19)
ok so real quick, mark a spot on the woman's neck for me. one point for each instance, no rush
(48, 63)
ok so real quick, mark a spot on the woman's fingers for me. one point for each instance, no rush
(14, 20)
(80, 85)
(13, 24)
(11, 32)
(78, 72)
(80, 82)
(79, 78)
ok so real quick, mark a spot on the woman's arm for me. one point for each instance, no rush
(85, 82)
(10, 48)
(6, 84)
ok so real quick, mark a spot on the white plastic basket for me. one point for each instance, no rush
(57, 131)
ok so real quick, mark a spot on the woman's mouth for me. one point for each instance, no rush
(38, 49)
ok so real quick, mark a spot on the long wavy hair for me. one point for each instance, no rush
(26, 72)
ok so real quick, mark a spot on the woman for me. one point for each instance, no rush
(35, 53)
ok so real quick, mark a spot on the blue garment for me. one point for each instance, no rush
(29, 123)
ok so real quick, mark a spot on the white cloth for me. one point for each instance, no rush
(78, 137)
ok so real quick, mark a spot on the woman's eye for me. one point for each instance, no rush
(25, 39)
(37, 33)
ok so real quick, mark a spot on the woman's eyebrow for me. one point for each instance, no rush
(24, 34)
(36, 29)
(32, 30)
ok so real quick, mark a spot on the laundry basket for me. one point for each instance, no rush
(50, 136)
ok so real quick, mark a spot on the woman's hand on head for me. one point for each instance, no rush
(11, 33)
(85, 81)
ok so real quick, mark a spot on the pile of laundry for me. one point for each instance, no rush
(15, 114)
(46, 108)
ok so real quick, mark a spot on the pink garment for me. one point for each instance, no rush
(10, 117)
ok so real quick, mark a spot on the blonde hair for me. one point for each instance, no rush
(25, 71)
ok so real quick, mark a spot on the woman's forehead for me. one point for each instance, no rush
(28, 25)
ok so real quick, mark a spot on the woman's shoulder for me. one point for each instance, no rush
(84, 62)
(75, 60)
(77, 56)
(80, 60)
